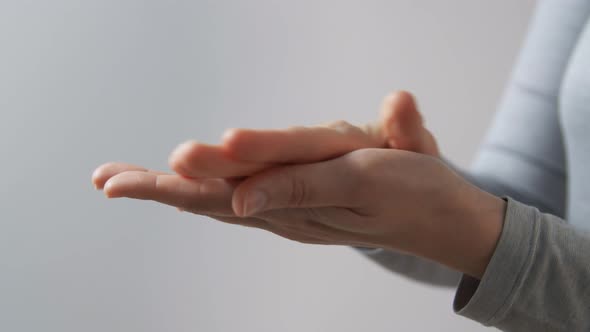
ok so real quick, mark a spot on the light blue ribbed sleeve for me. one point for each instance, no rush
(522, 156)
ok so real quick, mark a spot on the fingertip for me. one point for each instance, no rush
(397, 99)
(99, 176)
(197, 160)
(404, 94)
(229, 135)
(229, 141)
(108, 189)
(392, 103)
(116, 185)
(178, 160)
(177, 165)
(94, 178)
(183, 149)
(405, 112)
(235, 143)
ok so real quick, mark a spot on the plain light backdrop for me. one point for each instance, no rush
(85, 82)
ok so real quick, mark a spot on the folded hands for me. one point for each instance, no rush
(381, 185)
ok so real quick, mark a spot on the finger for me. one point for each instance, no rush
(328, 183)
(300, 144)
(202, 196)
(403, 124)
(402, 121)
(197, 160)
(105, 171)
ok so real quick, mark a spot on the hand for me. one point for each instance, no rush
(400, 126)
(245, 152)
(379, 198)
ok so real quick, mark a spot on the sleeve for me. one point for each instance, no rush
(522, 155)
(537, 278)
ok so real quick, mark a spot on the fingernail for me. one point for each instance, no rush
(255, 201)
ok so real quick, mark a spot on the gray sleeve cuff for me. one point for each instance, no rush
(488, 300)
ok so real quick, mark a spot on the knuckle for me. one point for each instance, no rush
(367, 169)
(158, 183)
(196, 197)
(297, 129)
(344, 127)
(299, 193)
(364, 161)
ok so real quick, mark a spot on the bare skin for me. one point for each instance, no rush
(330, 184)
(245, 152)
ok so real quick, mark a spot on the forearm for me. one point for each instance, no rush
(459, 237)
(529, 274)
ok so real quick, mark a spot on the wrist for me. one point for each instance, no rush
(464, 237)
(480, 226)
(490, 220)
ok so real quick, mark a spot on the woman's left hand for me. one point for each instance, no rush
(379, 198)
(374, 198)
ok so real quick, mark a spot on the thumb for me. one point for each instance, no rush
(328, 183)
(403, 125)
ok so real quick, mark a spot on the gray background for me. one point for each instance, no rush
(85, 82)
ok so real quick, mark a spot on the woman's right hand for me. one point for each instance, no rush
(247, 151)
